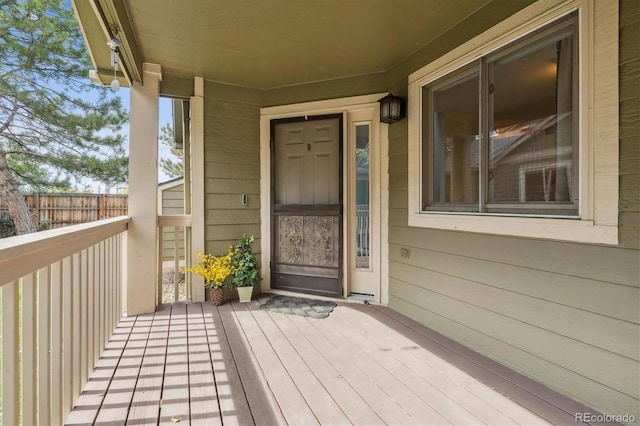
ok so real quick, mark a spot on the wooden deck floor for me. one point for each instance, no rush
(363, 365)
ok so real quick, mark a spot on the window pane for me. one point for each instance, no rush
(455, 145)
(362, 196)
(531, 149)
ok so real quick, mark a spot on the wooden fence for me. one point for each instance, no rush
(71, 209)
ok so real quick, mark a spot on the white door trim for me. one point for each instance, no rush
(331, 106)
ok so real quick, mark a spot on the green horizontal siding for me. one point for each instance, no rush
(232, 165)
(565, 314)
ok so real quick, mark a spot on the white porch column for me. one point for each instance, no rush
(197, 183)
(143, 192)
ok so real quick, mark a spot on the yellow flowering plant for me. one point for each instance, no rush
(214, 269)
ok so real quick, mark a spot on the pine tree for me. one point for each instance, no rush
(171, 167)
(53, 123)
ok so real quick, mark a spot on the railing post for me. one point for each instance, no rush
(143, 192)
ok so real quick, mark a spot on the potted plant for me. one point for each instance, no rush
(214, 270)
(245, 268)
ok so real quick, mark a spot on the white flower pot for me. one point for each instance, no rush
(244, 293)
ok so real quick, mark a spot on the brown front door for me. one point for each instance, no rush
(306, 251)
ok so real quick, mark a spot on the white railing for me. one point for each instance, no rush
(174, 251)
(362, 230)
(61, 296)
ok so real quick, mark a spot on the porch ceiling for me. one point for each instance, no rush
(266, 43)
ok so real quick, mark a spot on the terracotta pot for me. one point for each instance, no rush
(216, 295)
(244, 293)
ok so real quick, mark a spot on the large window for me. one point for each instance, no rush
(498, 134)
(515, 132)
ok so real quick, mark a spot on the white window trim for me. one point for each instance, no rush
(598, 131)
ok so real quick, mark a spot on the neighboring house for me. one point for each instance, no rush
(171, 202)
(503, 212)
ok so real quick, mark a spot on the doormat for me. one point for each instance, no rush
(299, 306)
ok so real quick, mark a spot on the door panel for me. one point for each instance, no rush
(307, 210)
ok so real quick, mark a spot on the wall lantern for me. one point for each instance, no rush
(392, 109)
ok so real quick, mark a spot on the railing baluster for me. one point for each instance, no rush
(29, 349)
(84, 335)
(176, 263)
(97, 302)
(117, 268)
(187, 261)
(67, 358)
(114, 284)
(77, 338)
(109, 330)
(160, 266)
(56, 343)
(110, 277)
(103, 301)
(90, 312)
(44, 343)
(10, 349)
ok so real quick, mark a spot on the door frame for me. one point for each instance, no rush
(343, 106)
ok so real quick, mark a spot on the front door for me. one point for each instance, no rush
(306, 209)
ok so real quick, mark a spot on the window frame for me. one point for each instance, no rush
(597, 127)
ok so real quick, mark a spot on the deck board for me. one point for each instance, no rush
(88, 404)
(145, 405)
(467, 392)
(175, 388)
(234, 407)
(117, 401)
(488, 371)
(422, 392)
(356, 409)
(387, 408)
(294, 407)
(203, 397)
(323, 406)
(238, 365)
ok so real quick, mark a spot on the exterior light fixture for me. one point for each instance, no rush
(114, 44)
(392, 109)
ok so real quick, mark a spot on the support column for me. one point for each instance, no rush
(142, 257)
(197, 183)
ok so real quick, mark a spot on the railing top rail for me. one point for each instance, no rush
(23, 254)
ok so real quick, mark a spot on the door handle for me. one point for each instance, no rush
(308, 147)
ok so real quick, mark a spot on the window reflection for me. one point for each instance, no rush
(362, 196)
